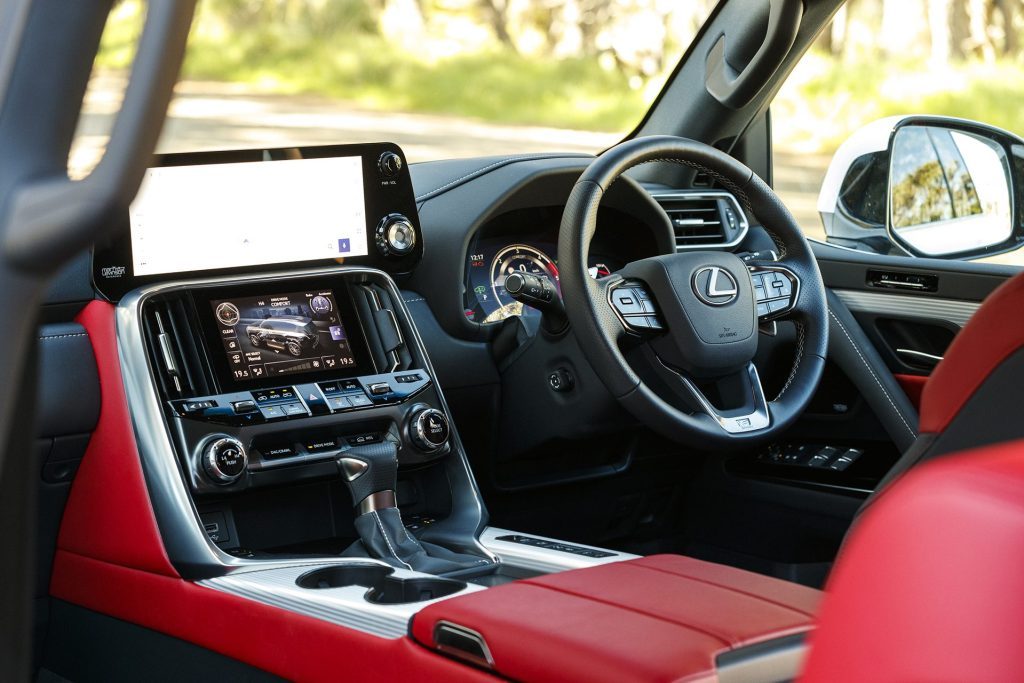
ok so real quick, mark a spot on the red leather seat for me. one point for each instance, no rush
(930, 585)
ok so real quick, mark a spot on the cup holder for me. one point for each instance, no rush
(383, 587)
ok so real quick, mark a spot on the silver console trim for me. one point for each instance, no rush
(178, 520)
(543, 559)
(773, 661)
(344, 606)
(904, 306)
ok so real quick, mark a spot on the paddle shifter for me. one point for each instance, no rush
(371, 474)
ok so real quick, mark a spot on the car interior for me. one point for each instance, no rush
(318, 413)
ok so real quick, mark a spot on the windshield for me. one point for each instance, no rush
(442, 78)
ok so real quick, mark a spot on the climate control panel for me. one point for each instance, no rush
(267, 437)
(260, 406)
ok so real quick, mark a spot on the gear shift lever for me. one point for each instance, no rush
(371, 474)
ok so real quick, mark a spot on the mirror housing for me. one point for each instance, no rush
(886, 190)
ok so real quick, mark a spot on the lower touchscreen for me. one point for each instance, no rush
(283, 334)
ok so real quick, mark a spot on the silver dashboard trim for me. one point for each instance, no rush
(950, 310)
(177, 517)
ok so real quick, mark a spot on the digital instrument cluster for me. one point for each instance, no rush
(492, 260)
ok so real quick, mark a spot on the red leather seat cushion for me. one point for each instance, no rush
(658, 618)
(930, 585)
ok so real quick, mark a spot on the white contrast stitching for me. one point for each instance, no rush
(800, 334)
(873, 375)
(64, 336)
(387, 541)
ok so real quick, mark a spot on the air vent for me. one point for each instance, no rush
(387, 340)
(702, 220)
(174, 351)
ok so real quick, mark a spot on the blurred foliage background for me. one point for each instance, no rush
(597, 64)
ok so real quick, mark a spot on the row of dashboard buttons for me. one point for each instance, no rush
(304, 400)
(279, 450)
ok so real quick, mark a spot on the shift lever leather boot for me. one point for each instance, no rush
(371, 474)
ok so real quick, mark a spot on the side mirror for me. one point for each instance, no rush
(950, 191)
(926, 186)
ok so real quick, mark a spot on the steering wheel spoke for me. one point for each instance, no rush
(741, 390)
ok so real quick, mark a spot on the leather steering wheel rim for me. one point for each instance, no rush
(596, 325)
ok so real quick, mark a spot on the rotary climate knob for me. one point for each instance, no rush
(224, 460)
(429, 429)
(395, 235)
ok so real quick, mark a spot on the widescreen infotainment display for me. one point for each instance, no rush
(283, 334)
(235, 215)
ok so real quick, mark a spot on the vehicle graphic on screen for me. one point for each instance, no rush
(294, 335)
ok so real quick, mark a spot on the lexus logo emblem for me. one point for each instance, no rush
(715, 286)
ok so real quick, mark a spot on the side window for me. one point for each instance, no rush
(882, 65)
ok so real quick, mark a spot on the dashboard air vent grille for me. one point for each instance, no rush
(391, 353)
(704, 219)
(174, 351)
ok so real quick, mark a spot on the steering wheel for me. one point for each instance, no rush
(690, 322)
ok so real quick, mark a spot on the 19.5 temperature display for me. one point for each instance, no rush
(283, 334)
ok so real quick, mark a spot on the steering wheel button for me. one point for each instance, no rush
(762, 309)
(626, 303)
(777, 305)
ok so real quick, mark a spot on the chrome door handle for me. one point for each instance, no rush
(919, 356)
